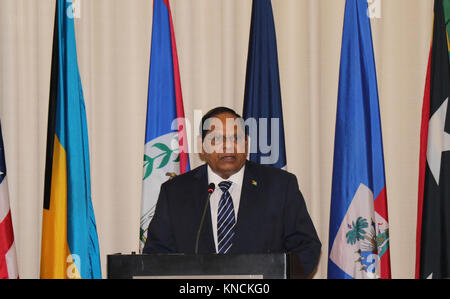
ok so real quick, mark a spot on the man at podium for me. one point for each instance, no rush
(231, 205)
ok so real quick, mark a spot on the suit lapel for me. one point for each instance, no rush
(250, 194)
(206, 242)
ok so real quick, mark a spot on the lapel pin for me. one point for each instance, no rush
(254, 183)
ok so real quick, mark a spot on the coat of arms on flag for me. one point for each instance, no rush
(362, 239)
(161, 162)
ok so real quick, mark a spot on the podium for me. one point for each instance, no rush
(210, 266)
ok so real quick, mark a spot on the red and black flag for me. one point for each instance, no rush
(433, 223)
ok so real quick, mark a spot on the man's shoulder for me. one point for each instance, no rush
(187, 178)
(273, 181)
(269, 171)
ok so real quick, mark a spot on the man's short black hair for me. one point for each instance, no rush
(213, 113)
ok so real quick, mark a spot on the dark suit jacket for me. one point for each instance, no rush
(272, 216)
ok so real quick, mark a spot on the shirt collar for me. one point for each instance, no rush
(236, 178)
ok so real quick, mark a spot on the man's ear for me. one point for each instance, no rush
(200, 146)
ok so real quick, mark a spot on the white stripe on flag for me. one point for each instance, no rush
(11, 262)
(4, 199)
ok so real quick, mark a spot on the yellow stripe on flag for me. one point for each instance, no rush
(448, 43)
(56, 260)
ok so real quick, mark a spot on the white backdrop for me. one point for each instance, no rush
(212, 37)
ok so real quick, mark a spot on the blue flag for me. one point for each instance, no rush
(165, 153)
(262, 99)
(359, 235)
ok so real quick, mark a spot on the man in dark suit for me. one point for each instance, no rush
(251, 208)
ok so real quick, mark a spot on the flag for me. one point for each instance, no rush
(433, 219)
(165, 152)
(8, 260)
(359, 234)
(69, 235)
(262, 98)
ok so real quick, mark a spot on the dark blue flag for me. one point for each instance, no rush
(262, 100)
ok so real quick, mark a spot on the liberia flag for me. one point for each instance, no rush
(359, 230)
(433, 221)
(165, 152)
(8, 262)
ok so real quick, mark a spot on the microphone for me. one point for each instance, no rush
(211, 188)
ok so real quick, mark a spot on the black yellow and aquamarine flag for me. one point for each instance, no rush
(69, 235)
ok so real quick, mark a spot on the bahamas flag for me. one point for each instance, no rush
(165, 152)
(262, 98)
(359, 233)
(69, 234)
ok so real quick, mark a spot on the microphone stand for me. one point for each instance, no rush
(211, 188)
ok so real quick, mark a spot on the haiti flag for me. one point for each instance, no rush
(359, 233)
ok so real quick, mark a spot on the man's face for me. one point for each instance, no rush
(225, 146)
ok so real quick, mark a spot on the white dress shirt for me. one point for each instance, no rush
(235, 191)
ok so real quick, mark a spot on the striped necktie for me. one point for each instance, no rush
(225, 219)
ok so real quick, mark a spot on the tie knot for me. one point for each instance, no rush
(225, 185)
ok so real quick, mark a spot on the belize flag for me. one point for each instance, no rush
(262, 98)
(359, 233)
(166, 152)
(70, 246)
